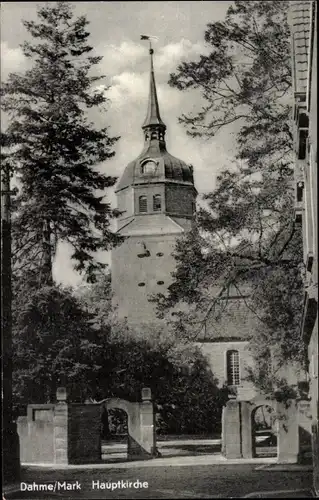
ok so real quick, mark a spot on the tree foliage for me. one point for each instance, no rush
(96, 298)
(244, 233)
(55, 148)
(64, 339)
(184, 389)
(55, 343)
(246, 78)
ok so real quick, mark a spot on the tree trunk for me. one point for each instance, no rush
(10, 438)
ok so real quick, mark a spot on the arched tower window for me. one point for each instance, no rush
(142, 204)
(232, 361)
(157, 203)
(148, 167)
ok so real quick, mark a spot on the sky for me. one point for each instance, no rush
(115, 29)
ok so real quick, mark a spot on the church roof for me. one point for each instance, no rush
(236, 323)
(232, 319)
(163, 224)
(168, 168)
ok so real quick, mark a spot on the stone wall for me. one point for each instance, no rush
(135, 279)
(84, 433)
(304, 428)
(36, 434)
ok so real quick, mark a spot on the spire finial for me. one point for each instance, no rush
(149, 38)
(153, 118)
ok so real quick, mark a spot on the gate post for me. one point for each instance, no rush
(148, 440)
(246, 427)
(288, 435)
(231, 433)
(60, 431)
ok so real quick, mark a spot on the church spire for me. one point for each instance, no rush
(153, 126)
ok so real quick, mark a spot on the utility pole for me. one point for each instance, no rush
(10, 439)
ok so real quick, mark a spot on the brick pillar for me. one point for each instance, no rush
(147, 422)
(246, 425)
(232, 430)
(60, 422)
(223, 446)
(288, 435)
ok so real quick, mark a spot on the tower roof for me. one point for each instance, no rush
(153, 116)
(166, 168)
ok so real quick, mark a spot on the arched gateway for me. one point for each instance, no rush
(238, 428)
(70, 433)
(140, 424)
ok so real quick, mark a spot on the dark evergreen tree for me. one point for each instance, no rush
(55, 148)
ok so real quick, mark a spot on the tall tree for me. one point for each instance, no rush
(246, 83)
(246, 233)
(56, 146)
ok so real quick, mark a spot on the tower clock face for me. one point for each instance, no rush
(149, 167)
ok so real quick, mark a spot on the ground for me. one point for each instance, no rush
(197, 481)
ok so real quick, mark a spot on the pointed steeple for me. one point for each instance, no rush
(153, 126)
(153, 116)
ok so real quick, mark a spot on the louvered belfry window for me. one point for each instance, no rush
(157, 203)
(233, 375)
(142, 204)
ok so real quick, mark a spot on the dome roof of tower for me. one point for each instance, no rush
(167, 168)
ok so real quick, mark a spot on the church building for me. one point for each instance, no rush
(156, 196)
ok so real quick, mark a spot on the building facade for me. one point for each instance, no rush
(303, 21)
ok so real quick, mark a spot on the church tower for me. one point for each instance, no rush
(156, 196)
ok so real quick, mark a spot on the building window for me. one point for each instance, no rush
(141, 284)
(233, 377)
(142, 204)
(148, 167)
(160, 282)
(157, 203)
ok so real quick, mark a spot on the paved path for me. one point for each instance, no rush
(187, 461)
(163, 444)
(169, 448)
(112, 452)
(280, 494)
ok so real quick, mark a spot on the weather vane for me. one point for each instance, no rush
(149, 38)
